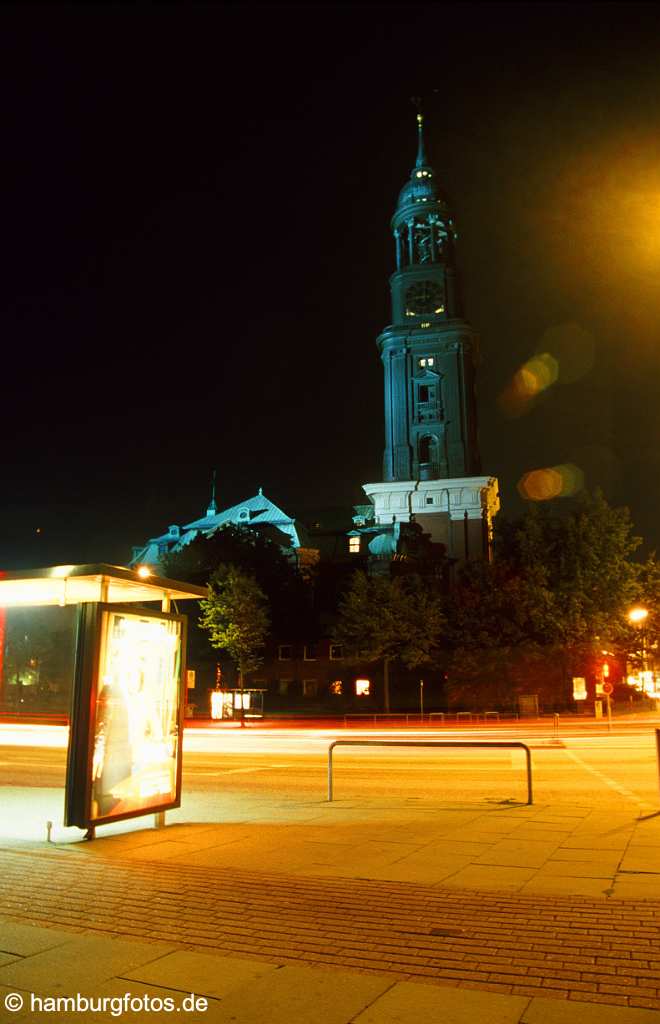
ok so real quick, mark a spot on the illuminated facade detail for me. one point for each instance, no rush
(431, 462)
(424, 290)
(354, 545)
(258, 513)
(336, 688)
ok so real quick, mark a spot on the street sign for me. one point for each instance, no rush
(608, 688)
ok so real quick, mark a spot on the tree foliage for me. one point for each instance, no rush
(383, 618)
(253, 553)
(583, 559)
(559, 586)
(235, 614)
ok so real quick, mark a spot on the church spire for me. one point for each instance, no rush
(213, 508)
(421, 152)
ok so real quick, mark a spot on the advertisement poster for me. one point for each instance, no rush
(136, 715)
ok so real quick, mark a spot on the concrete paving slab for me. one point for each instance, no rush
(516, 853)
(421, 872)
(553, 885)
(485, 876)
(642, 840)
(610, 858)
(409, 1003)
(201, 973)
(557, 1011)
(299, 994)
(26, 939)
(576, 869)
(543, 832)
(79, 965)
(159, 851)
(645, 858)
(12, 1009)
(635, 887)
(589, 841)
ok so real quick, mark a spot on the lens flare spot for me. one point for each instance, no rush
(552, 482)
(536, 375)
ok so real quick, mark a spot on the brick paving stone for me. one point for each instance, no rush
(560, 947)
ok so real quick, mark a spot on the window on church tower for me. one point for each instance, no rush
(354, 545)
(423, 393)
(426, 361)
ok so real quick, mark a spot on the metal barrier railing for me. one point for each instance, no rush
(431, 743)
(401, 715)
(417, 718)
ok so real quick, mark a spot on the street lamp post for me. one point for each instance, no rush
(637, 617)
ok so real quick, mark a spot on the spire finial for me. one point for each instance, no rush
(421, 153)
(213, 508)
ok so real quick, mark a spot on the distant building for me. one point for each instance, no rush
(258, 513)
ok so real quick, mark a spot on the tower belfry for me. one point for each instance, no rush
(431, 462)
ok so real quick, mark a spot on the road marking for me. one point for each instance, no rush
(621, 790)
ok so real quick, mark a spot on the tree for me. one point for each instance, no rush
(558, 589)
(235, 614)
(251, 552)
(387, 619)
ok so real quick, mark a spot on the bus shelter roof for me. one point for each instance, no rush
(75, 584)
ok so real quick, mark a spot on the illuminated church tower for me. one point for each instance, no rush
(431, 464)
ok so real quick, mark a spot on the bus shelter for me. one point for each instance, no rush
(237, 703)
(106, 637)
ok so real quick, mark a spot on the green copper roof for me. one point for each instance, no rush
(421, 191)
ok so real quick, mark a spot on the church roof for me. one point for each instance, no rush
(255, 511)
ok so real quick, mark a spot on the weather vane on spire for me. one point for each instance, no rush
(421, 154)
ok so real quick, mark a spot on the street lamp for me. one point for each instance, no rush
(637, 617)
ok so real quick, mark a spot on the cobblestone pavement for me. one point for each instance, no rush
(570, 948)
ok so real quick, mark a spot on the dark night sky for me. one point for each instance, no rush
(196, 247)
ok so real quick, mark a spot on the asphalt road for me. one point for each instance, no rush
(598, 769)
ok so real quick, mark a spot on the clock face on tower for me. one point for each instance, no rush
(424, 297)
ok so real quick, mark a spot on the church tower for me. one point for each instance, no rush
(431, 463)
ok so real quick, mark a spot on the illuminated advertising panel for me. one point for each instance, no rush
(124, 753)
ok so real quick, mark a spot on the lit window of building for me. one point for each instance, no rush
(354, 545)
(362, 687)
(310, 652)
(284, 652)
(284, 686)
(427, 360)
(336, 652)
(310, 687)
(336, 687)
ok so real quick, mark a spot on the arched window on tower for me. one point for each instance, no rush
(428, 450)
